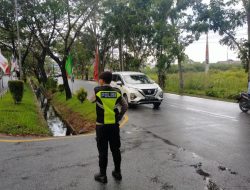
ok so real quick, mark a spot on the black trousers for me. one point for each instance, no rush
(108, 134)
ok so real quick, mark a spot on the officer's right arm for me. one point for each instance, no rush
(92, 98)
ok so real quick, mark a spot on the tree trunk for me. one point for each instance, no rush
(181, 80)
(37, 75)
(162, 80)
(65, 82)
(63, 70)
(40, 65)
(86, 74)
(44, 77)
(83, 70)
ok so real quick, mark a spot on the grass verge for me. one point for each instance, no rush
(222, 85)
(81, 117)
(24, 118)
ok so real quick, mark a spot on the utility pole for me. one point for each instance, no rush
(227, 55)
(207, 56)
(18, 39)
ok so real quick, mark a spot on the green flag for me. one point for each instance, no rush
(69, 65)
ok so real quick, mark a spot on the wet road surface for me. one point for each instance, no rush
(189, 143)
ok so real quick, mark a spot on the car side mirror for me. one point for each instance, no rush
(152, 81)
(119, 83)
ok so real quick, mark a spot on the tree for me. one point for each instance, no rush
(226, 18)
(8, 31)
(127, 27)
(185, 33)
(163, 39)
(139, 34)
(57, 25)
(83, 52)
(175, 29)
(115, 24)
(38, 65)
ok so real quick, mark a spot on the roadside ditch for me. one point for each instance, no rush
(61, 120)
(55, 123)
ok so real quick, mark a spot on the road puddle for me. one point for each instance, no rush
(209, 184)
(222, 168)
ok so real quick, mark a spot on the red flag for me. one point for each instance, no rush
(96, 71)
(7, 71)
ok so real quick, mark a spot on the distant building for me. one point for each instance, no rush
(190, 61)
(229, 61)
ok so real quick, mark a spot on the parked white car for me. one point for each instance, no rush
(137, 88)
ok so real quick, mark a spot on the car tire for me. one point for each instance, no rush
(243, 106)
(157, 105)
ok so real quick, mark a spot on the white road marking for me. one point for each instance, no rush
(206, 112)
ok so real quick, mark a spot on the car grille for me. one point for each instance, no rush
(149, 92)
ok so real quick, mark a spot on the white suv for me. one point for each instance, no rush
(137, 88)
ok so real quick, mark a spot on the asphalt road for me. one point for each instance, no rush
(188, 144)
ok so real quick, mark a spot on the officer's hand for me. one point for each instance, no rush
(119, 118)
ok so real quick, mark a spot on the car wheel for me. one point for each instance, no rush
(243, 106)
(157, 105)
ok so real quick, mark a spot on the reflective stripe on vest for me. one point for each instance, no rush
(109, 99)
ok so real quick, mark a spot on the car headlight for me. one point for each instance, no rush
(131, 88)
(133, 96)
(161, 94)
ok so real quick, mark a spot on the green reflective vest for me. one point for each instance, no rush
(107, 100)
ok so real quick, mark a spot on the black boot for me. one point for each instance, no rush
(101, 178)
(117, 175)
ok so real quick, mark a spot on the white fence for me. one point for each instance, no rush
(3, 85)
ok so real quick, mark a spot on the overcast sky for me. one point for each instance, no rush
(217, 52)
(196, 51)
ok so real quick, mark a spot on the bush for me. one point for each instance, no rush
(16, 89)
(61, 88)
(232, 95)
(81, 94)
(51, 84)
(211, 92)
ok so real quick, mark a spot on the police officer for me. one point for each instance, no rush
(108, 99)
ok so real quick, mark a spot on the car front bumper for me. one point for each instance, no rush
(146, 100)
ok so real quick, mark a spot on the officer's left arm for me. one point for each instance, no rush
(124, 107)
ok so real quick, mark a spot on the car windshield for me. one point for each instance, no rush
(137, 79)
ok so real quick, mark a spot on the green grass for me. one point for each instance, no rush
(218, 84)
(23, 118)
(86, 109)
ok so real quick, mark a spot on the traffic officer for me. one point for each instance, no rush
(108, 100)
